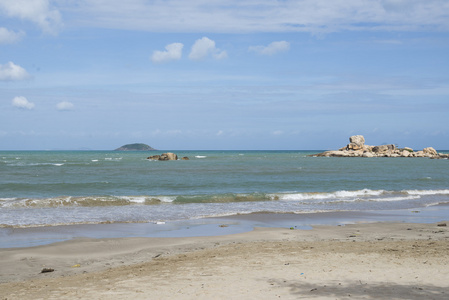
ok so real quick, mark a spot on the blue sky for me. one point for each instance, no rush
(216, 74)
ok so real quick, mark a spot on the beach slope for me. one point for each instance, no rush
(360, 261)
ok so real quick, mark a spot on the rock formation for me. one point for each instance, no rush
(166, 156)
(357, 148)
(356, 142)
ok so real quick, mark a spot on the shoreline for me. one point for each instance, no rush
(213, 226)
(383, 259)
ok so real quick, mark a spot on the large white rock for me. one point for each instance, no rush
(430, 151)
(368, 154)
(170, 156)
(359, 140)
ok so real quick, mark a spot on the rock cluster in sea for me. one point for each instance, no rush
(166, 156)
(357, 148)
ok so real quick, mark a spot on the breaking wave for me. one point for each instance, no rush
(365, 195)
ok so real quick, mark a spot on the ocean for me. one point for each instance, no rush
(48, 188)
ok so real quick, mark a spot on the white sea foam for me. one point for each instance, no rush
(135, 199)
(167, 199)
(332, 195)
(200, 156)
(8, 199)
(427, 192)
(436, 203)
(365, 195)
(24, 164)
(411, 197)
(371, 199)
(359, 193)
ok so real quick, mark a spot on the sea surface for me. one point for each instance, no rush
(48, 188)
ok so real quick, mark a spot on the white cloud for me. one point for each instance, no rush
(64, 105)
(22, 102)
(173, 52)
(220, 54)
(204, 47)
(36, 11)
(235, 16)
(396, 5)
(273, 48)
(10, 37)
(11, 71)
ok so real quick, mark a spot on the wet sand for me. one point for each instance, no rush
(357, 261)
(35, 236)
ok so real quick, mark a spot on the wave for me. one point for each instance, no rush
(427, 192)
(365, 195)
(25, 164)
(58, 163)
(113, 158)
(90, 201)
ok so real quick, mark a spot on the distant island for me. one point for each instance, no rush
(135, 147)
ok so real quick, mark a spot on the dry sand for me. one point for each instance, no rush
(360, 261)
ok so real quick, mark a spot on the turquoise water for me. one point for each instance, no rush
(88, 187)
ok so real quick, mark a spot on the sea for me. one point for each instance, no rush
(56, 188)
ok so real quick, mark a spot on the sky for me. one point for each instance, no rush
(223, 74)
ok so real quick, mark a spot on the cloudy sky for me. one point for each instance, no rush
(223, 74)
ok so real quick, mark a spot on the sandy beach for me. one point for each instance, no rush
(358, 261)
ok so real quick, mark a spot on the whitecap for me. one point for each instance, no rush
(343, 194)
(134, 199)
(167, 199)
(427, 192)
